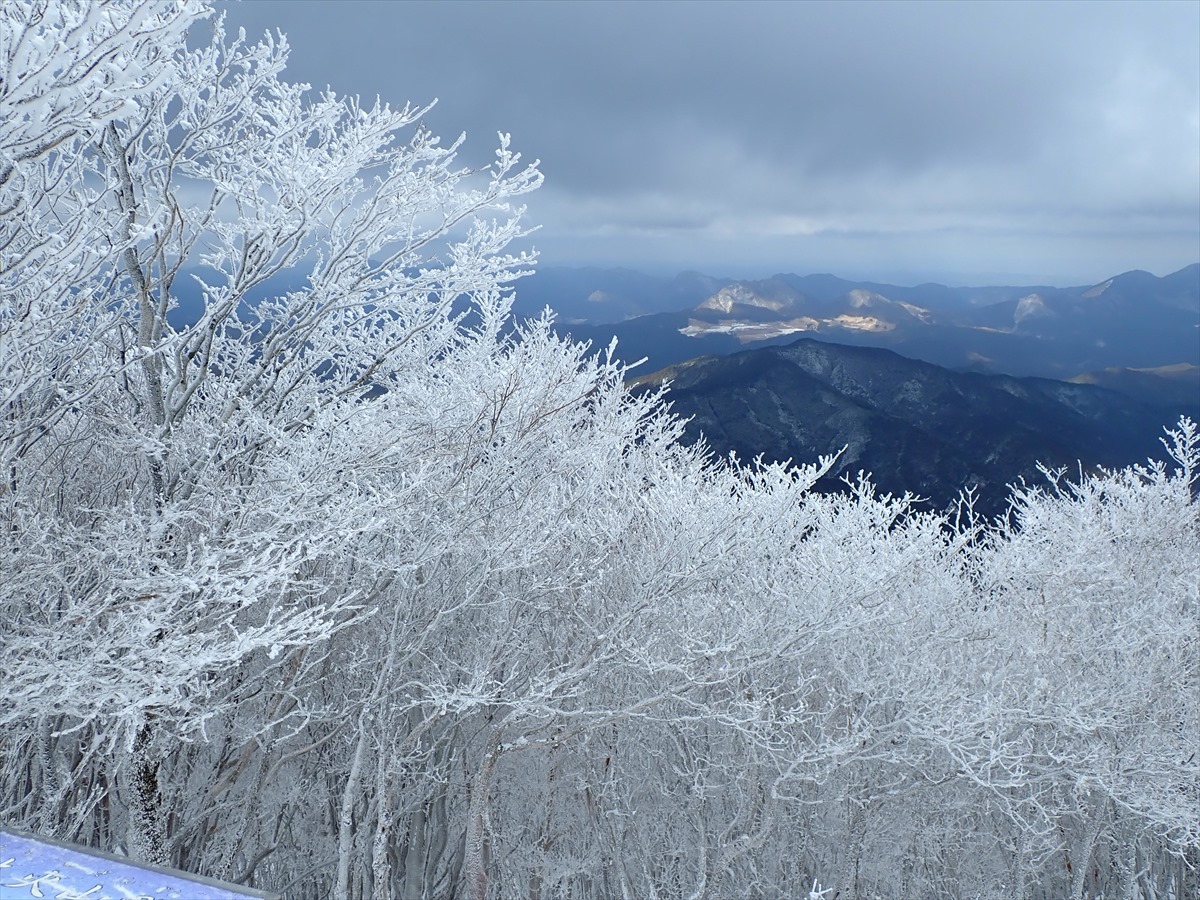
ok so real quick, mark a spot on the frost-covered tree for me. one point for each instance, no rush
(343, 584)
(183, 503)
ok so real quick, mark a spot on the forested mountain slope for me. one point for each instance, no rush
(917, 427)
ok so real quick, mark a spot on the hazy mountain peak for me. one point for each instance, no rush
(1029, 306)
(860, 298)
(759, 295)
(918, 312)
(1097, 290)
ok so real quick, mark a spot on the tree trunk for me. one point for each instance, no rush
(475, 877)
(346, 818)
(848, 887)
(144, 832)
(381, 864)
(1083, 860)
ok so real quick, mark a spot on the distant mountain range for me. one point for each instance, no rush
(916, 426)
(1134, 321)
(931, 388)
(1130, 321)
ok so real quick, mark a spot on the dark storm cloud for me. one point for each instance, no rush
(989, 138)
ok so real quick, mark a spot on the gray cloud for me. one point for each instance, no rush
(932, 139)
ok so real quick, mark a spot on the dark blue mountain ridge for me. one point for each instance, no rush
(916, 426)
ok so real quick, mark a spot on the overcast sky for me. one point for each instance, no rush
(968, 142)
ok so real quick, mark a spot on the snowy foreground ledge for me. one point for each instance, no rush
(35, 866)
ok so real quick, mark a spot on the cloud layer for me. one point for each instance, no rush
(1049, 142)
